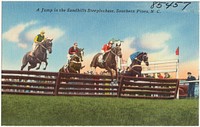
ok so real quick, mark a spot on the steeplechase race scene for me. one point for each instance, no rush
(97, 63)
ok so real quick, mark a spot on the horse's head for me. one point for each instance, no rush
(48, 45)
(80, 53)
(143, 57)
(117, 51)
(75, 58)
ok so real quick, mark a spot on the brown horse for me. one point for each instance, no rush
(74, 65)
(109, 60)
(135, 67)
(40, 55)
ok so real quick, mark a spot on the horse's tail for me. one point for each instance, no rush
(25, 60)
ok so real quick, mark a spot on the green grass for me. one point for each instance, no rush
(54, 110)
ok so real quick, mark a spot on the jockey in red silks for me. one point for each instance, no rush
(106, 48)
(72, 50)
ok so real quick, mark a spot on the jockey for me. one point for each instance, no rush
(132, 57)
(39, 38)
(106, 48)
(72, 50)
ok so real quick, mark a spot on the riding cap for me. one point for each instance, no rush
(42, 32)
(110, 42)
(189, 73)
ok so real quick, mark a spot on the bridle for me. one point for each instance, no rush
(137, 65)
(112, 52)
(142, 59)
(43, 46)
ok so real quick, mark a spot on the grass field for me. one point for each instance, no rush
(64, 111)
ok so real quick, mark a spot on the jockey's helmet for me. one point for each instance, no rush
(75, 43)
(110, 42)
(42, 32)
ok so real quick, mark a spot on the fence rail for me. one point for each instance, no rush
(61, 84)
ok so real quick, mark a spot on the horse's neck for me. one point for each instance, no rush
(136, 62)
(110, 56)
(40, 50)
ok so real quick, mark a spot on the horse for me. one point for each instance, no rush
(135, 67)
(74, 65)
(40, 55)
(109, 60)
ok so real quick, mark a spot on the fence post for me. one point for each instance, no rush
(120, 86)
(177, 90)
(57, 84)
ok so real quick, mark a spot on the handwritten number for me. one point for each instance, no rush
(159, 5)
(152, 6)
(187, 3)
(169, 4)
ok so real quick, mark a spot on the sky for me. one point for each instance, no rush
(158, 30)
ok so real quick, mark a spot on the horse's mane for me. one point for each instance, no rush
(142, 53)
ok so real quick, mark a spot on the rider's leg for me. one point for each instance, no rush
(34, 47)
(101, 60)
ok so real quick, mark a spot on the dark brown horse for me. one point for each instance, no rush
(40, 55)
(75, 64)
(135, 67)
(109, 60)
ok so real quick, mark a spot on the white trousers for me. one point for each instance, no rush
(34, 46)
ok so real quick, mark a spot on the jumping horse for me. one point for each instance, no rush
(109, 60)
(74, 65)
(135, 67)
(40, 55)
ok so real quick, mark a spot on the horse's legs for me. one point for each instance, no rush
(32, 66)
(24, 62)
(110, 71)
(38, 66)
(71, 69)
(116, 73)
(24, 65)
(46, 63)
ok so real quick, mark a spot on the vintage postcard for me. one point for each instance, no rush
(100, 38)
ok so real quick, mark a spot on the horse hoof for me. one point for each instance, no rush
(44, 68)
(37, 68)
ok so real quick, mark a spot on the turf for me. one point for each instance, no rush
(26, 110)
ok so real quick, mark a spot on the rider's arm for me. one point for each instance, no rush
(103, 49)
(71, 51)
(35, 39)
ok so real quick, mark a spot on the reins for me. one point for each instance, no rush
(111, 51)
